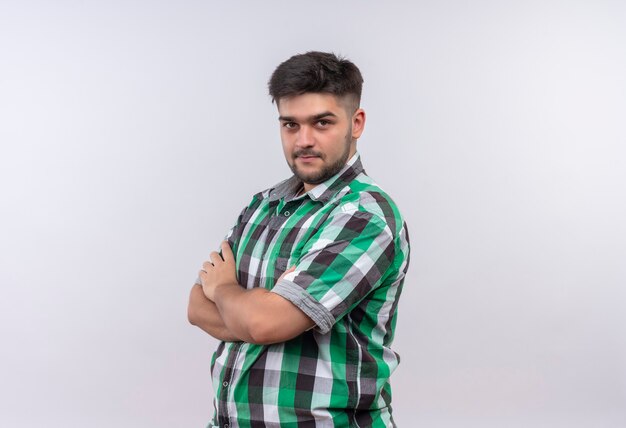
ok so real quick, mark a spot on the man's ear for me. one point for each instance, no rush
(358, 123)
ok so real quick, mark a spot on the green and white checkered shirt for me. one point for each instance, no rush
(350, 246)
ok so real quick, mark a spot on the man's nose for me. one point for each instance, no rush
(305, 137)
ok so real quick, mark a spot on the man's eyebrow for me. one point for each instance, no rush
(310, 119)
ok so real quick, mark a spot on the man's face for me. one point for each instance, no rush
(318, 135)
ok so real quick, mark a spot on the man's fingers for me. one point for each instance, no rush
(227, 252)
(206, 266)
(215, 257)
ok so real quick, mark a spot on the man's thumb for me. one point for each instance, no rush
(291, 269)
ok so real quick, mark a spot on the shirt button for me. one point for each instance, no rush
(287, 213)
(225, 383)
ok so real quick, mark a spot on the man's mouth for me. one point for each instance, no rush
(307, 155)
(307, 159)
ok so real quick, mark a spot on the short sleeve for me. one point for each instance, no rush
(347, 259)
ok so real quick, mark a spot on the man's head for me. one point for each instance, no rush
(318, 72)
(318, 96)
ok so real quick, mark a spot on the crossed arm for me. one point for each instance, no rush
(227, 311)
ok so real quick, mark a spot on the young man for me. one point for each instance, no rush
(304, 293)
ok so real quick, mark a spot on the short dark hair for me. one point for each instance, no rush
(317, 72)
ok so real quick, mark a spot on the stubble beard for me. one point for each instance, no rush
(326, 171)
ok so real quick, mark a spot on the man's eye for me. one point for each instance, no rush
(323, 122)
(290, 125)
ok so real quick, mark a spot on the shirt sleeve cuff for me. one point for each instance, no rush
(306, 303)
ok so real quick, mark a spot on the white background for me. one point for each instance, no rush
(133, 132)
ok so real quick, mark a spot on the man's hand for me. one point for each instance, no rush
(256, 315)
(218, 271)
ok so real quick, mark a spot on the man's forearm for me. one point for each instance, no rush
(204, 314)
(240, 309)
(256, 315)
(259, 316)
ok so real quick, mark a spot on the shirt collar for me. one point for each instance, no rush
(323, 192)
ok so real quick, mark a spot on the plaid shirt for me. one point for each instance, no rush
(350, 247)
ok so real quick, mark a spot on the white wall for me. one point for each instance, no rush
(132, 132)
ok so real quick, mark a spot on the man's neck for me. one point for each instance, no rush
(301, 191)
